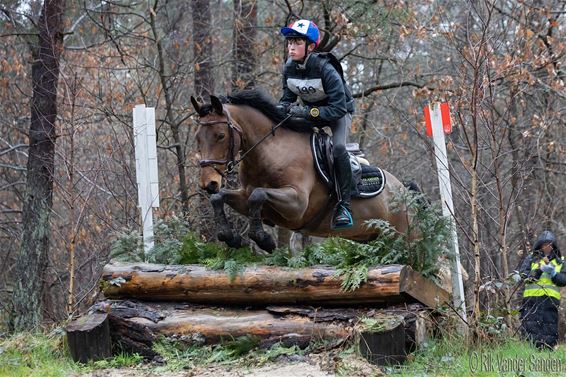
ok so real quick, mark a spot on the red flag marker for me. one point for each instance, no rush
(446, 121)
(427, 121)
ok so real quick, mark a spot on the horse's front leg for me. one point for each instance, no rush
(236, 199)
(286, 202)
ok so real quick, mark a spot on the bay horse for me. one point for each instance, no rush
(279, 184)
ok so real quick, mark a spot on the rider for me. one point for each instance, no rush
(326, 99)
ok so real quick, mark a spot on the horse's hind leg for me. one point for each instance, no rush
(236, 199)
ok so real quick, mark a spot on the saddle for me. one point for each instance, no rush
(367, 181)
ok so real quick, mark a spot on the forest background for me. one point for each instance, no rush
(72, 71)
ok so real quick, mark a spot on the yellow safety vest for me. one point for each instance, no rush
(543, 286)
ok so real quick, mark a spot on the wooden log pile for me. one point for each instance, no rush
(195, 305)
(272, 285)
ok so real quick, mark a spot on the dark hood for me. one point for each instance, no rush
(547, 236)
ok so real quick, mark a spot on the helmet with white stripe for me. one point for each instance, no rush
(302, 29)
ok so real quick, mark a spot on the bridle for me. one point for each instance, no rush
(230, 161)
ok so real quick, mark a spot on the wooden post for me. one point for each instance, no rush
(89, 338)
(438, 122)
(146, 169)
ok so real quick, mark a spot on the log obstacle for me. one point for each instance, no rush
(135, 327)
(193, 304)
(89, 338)
(267, 285)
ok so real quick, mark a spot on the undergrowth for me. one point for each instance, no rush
(46, 354)
(176, 244)
(243, 351)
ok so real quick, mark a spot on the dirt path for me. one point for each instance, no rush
(319, 365)
(300, 369)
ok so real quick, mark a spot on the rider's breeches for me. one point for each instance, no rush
(341, 158)
(340, 131)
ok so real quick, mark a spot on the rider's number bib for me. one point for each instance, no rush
(310, 90)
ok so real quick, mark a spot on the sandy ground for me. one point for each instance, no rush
(300, 369)
(321, 365)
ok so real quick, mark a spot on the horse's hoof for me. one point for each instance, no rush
(264, 241)
(236, 242)
(225, 235)
(231, 239)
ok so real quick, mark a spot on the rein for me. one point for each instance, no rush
(231, 162)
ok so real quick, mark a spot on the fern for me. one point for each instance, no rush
(279, 257)
(297, 261)
(228, 351)
(353, 276)
(233, 268)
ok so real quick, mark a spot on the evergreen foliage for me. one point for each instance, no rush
(176, 244)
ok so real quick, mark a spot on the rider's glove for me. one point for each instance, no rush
(299, 111)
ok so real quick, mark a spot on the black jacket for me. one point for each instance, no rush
(525, 270)
(319, 85)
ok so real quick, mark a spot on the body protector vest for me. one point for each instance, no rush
(544, 285)
(319, 82)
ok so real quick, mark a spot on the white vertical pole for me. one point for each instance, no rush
(447, 206)
(146, 169)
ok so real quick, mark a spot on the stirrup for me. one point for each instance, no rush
(343, 225)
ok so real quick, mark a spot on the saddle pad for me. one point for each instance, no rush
(372, 179)
(372, 182)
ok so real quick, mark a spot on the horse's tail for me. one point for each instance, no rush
(421, 198)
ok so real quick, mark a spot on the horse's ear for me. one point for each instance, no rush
(216, 105)
(196, 105)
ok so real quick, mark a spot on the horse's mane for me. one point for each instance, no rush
(259, 100)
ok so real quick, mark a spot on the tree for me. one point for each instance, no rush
(30, 261)
(202, 49)
(244, 42)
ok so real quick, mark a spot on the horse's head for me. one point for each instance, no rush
(218, 142)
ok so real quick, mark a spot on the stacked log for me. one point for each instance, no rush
(267, 285)
(193, 304)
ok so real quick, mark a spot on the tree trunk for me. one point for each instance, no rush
(89, 338)
(30, 261)
(135, 326)
(165, 77)
(267, 285)
(202, 49)
(203, 87)
(283, 237)
(245, 23)
(384, 342)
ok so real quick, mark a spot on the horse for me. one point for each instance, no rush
(278, 181)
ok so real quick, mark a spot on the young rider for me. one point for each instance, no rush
(326, 99)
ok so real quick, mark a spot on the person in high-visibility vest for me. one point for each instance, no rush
(543, 273)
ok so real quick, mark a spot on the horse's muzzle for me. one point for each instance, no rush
(212, 187)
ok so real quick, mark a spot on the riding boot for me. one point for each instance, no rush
(342, 214)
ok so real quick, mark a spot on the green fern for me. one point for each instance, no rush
(279, 257)
(353, 276)
(233, 268)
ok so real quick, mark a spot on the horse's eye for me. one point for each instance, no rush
(220, 136)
